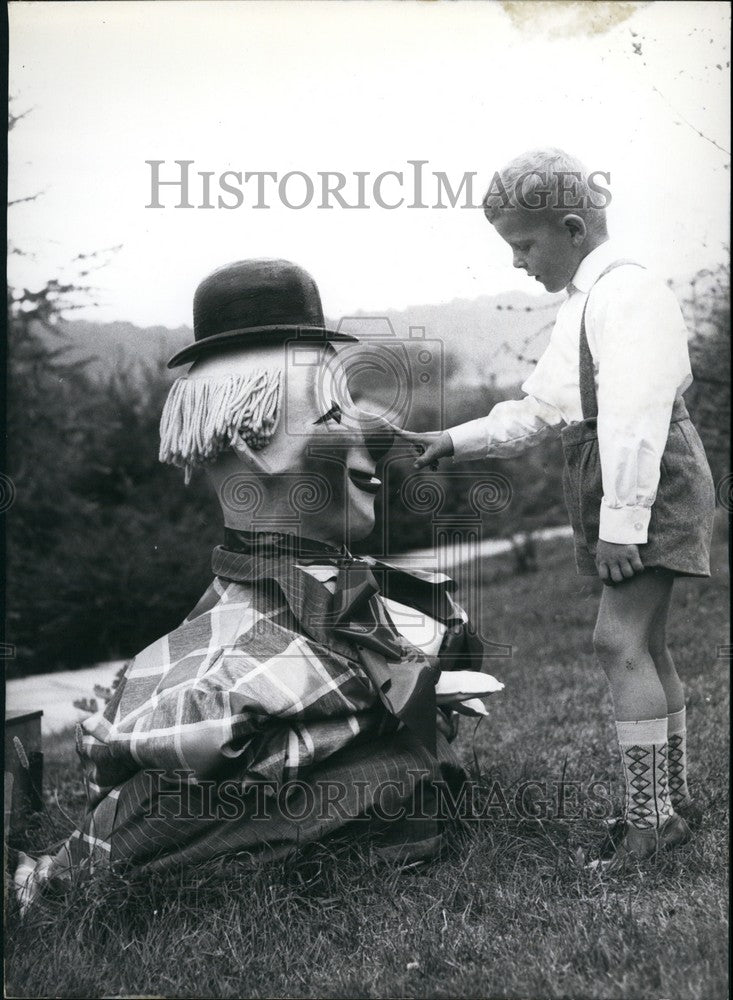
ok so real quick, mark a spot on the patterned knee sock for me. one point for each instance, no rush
(644, 754)
(677, 758)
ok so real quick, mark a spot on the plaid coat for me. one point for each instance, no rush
(265, 685)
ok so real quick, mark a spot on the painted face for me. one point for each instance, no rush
(316, 476)
(542, 247)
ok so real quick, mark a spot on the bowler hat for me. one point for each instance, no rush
(255, 302)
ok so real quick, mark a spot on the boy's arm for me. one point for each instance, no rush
(513, 425)
(643, 364)
(509, 429)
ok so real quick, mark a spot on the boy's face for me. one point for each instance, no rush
(547, 250)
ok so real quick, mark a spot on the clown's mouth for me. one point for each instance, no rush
(365, 481)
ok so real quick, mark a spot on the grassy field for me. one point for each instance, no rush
(510, 912)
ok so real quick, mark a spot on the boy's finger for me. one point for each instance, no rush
(616, 574)
(427, 456)
(603, 572)
(637, 564)
(410, 437)
(626, 569)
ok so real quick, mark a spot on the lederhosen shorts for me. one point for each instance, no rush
(681, 524)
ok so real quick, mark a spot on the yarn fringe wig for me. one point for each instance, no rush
(202, 416)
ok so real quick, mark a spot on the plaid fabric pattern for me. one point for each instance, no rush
(365, 790)
(256, 684)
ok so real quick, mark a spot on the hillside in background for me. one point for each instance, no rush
(111, 346)
(485, 337)
(491, 339)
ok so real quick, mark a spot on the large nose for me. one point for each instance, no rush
(377, 433)
(519, 260)
(378, 437)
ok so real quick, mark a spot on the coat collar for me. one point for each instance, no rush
(307, 598)
(312, 603)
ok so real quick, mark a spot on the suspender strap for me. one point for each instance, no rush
(588, 397)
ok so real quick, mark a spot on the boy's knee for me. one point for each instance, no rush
(605, 642)
(612, 644)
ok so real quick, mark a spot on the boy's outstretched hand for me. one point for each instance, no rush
(431, 446)
(617, 562)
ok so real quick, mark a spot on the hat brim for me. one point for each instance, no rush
(257, 336)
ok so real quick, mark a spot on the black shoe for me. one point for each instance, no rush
(641, 845)
(691, 812)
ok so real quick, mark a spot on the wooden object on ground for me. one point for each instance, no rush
(24, 761)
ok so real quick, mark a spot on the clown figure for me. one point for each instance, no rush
(309, 692)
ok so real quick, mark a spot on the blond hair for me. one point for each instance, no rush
(552, 183)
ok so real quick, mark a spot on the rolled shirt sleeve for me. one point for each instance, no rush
(638, 338)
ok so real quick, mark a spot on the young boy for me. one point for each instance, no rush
(637, 484)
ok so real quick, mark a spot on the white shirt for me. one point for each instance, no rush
(638, 341)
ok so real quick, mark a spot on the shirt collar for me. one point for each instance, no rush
(592, 265)
(324, 574)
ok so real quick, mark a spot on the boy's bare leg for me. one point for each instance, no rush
(626, 617)
(676, 717)
(622, 640)
(673, 690)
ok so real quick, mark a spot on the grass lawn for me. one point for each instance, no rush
(509, 912)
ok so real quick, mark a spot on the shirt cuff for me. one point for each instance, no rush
(469, 439)
(624, 525)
